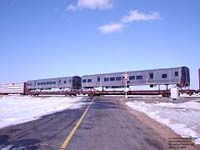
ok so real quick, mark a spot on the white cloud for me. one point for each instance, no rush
(95, 4)
(71, 7)
(132, 16)
(135, 15)
(91, 4)
(112, 27)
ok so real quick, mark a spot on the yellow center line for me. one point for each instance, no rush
(69, 137)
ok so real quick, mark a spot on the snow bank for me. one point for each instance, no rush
(190, 96)
(20, 109)
(183, 118)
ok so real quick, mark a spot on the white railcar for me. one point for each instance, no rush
(12, 88)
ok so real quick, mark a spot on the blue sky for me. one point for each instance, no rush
(53, 38)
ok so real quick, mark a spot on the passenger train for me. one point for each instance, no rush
(178, 76)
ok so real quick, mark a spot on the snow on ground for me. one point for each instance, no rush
(20, 109)
(194, 95)
(183, 118)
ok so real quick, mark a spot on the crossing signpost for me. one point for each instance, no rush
(125, 80)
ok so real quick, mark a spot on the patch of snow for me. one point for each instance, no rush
(7, 147)
(20, 109)
(183, 118)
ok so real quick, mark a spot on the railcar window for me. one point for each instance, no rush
(151, 75)
(84, 80)
(164, 76)
(139, 77)
(106, 79)
(98, 79)
(89, 80)
(176, 73)
(132, 78)
(54, 82)
(118, 78)
(65, 82)
(112, 79)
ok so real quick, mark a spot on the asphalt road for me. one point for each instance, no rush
(107, 126)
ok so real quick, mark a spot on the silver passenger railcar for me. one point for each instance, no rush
(178, 76)
(67, 83)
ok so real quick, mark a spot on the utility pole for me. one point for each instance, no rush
(126, 79)
(199, 78)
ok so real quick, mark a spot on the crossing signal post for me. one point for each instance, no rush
(125, 80)
(199, 79)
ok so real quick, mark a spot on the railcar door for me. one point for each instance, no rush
(76, 82)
